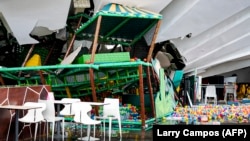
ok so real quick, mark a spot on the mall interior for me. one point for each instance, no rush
(104, 70)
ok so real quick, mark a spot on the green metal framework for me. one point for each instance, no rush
(76, 76)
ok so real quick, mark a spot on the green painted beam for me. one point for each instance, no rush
(124, 64)
(87, 66)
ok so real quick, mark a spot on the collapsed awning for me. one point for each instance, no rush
(119, 25)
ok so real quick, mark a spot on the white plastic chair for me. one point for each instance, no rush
(82, 116)
(230, 89)
(67, 110)
(49, 115)
(33, 116)
(111, 112)
(211, 93)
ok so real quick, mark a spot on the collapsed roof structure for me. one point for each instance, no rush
(219, 29)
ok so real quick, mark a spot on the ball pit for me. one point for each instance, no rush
(128, 112)
(212, 113)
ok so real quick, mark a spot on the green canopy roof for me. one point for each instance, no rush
(119, 25)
